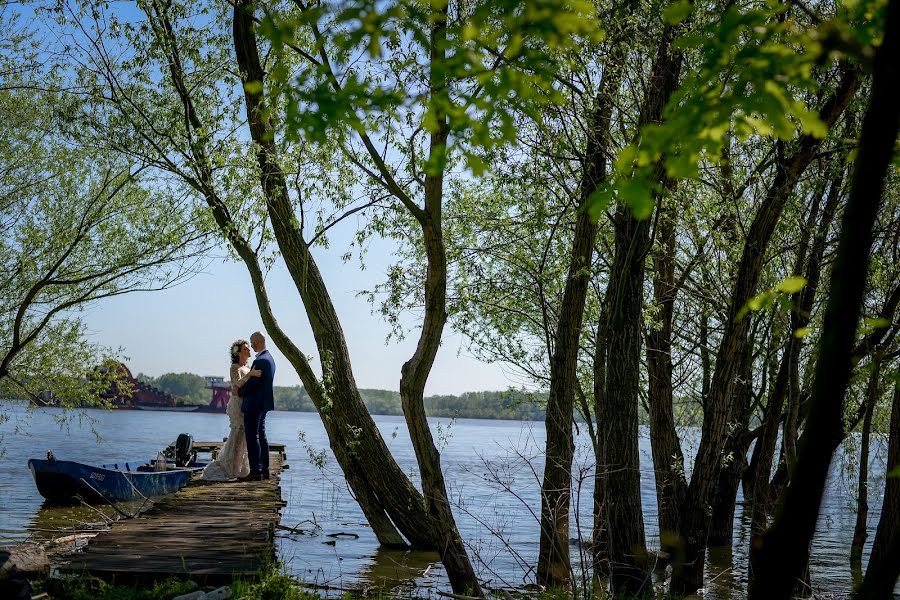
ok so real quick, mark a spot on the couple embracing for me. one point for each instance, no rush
(245, 454)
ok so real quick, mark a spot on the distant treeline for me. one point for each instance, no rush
(510, 404)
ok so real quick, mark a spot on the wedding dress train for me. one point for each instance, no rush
(232, 461)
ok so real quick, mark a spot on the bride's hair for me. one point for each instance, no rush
(236, 350)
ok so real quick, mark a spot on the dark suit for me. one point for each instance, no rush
(258, 398)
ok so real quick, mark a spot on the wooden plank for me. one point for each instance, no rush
(214, 530)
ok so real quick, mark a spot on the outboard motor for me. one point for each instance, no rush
(184, 454)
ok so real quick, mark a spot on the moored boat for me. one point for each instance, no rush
(172, 408)
(64, 481)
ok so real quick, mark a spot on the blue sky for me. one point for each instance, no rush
(190, 327)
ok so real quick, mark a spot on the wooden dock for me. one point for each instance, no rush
(213, 448)
(209, 531)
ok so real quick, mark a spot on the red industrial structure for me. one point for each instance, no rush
(221, 393)
(128, 392)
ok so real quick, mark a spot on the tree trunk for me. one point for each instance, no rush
(624, 522)
(349, 405)
(416, 370)
(599, 554)
(554, 568)
(687, 574)
(668, 460)
(379, 483)
(721, 527)
(758, 480)
(784, 548)
(860, 534)
(884, 562)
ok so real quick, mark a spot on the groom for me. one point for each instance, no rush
(258, 399)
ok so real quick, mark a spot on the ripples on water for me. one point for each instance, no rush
(492, 470)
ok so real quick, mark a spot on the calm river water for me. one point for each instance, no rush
(492, 470)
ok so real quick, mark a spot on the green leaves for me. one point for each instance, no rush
(756, 68)
(870, 324)
(780, 293)
(677, 12)
(791, 285)
(494, 60)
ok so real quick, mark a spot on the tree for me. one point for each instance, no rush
(784, 548)
(77, 226)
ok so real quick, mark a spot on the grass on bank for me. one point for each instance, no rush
(272, 584)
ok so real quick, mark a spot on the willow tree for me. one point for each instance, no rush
(76, 226)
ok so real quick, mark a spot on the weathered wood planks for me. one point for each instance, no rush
(211, 531)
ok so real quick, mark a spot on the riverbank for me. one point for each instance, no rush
(270, 583)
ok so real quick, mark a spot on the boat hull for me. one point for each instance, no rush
(166, 408)
(62, 481)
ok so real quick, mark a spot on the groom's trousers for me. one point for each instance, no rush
(257, 444)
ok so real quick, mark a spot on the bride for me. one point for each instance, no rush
(232, 460)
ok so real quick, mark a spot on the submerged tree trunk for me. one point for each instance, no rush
(860, 533)
(668, 459)
(687, 575)
(784, 548)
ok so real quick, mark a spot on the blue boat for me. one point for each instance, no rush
(63, 481)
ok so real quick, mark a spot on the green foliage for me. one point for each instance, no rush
(511, 404)
(781, 294)
(78, 224)
(91, 588)
(498, 58)
(272, 584)
(778, 57)
(190, 388)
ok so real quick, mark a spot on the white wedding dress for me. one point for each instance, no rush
(232, 459)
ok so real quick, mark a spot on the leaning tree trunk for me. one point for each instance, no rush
(758, 480)
(379, 481)
(884, 562)
(687, 575)
(415, 371)
(860, 533)
(374, 457)
(784, 548)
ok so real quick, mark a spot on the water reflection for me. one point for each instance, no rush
(722, 584)
(52, 520)
(393, 569)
